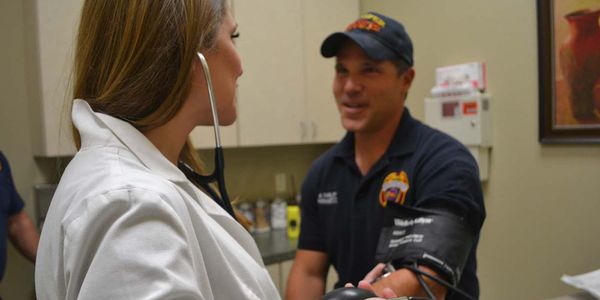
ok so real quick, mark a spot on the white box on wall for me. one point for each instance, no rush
(459, 108)
(468, 119)
(465, 117)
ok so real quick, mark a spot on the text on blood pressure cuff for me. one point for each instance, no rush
(438, 240)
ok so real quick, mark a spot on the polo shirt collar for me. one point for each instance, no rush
(97, 129)
(404, 141)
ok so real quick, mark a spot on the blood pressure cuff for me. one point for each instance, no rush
(438, 240)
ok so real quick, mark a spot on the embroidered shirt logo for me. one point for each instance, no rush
(327, 198)
(394, 188)
(368, 22)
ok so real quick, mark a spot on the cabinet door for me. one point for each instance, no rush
(271, 90)
(51, 31)
(332, 278)
(275, 273)
(322, 18)
(286, 267)
(54, 32)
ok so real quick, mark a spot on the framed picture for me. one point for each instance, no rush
(569, 71)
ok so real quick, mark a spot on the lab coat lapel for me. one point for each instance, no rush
(219, 215)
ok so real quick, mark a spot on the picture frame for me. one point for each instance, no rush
(569, 71)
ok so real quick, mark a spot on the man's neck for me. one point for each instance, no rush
(370, 147)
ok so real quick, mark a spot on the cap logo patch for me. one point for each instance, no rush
(368, 22)
(394, 188)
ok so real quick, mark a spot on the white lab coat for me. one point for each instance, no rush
(125, 223)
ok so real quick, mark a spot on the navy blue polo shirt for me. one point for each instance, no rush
(10, 204)
(341, 212)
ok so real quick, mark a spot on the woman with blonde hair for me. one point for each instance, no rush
(125, 221)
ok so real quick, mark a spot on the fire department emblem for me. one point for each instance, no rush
(394, 188)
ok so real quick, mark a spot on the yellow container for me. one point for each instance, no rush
(293, 221)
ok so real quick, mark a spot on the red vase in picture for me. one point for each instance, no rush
(580, 63)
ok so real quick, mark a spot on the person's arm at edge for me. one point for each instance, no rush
(23, 234)
(307, 276)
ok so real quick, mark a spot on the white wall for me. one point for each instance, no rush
(542, 201)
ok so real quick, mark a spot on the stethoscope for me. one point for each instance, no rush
(217, 175)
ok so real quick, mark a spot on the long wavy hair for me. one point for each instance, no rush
(133, 58)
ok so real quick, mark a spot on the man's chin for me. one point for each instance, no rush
(352, 126)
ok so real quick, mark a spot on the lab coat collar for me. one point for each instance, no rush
(98, 129)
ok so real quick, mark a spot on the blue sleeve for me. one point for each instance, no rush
(13, 202)
(16, 203)
(311, 237)
(448, 180)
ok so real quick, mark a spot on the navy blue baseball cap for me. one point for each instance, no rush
(381, 37)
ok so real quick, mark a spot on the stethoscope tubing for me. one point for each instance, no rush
(218, 172)
(211, 97)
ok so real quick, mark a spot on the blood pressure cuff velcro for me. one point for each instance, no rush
(438, 240)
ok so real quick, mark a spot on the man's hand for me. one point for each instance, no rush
(403, 282)
(365, 284)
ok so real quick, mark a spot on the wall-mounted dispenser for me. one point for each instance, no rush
(460, 107)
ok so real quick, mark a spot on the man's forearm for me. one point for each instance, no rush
(304, 287)
(307, 276)
(23, 235)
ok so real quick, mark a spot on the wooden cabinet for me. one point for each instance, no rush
(51, 27)
(332, 278)
(271, 90)
(279, 274)
(275, 273)
(203, 137)
(286, 267)
(322, 18)
(280, 271)
(284, 96)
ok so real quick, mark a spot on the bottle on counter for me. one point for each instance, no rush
(293, 221)
(283, 186)
(246, 209)
(278, 214)
(261, 213)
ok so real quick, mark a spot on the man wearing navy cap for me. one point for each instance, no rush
(387, 158)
